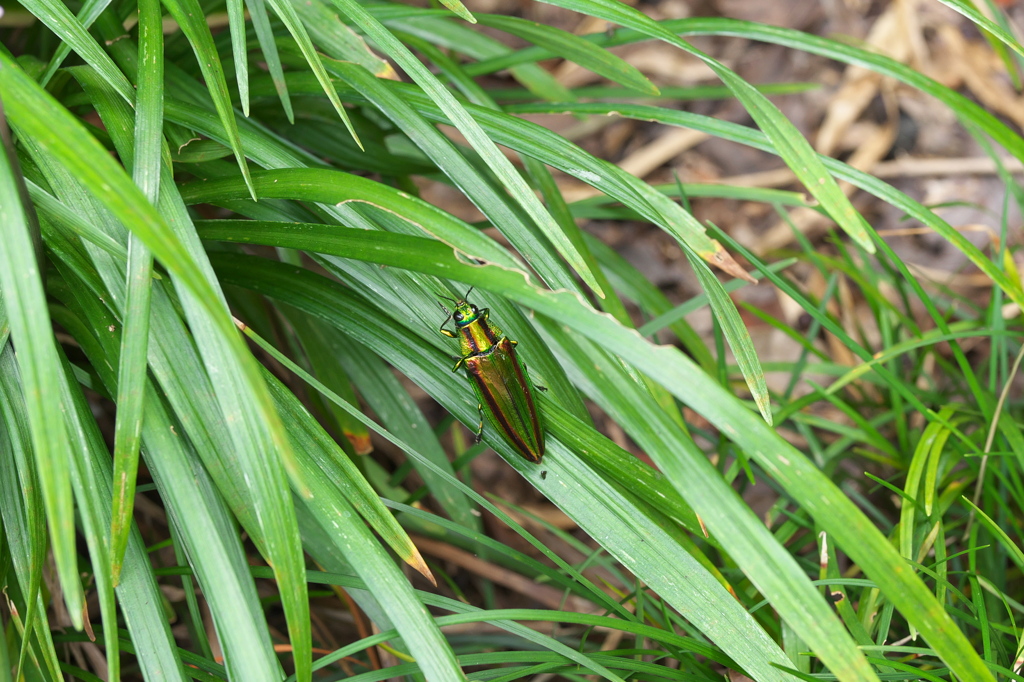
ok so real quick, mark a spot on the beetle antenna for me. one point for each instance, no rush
(448, 298)
(466, 296)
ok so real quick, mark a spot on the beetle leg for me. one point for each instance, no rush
(446, 332)
(480, 428)
(458, 364)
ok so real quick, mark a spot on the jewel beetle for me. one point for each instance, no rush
(505, 393)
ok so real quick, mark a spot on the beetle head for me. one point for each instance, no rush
(464, 313)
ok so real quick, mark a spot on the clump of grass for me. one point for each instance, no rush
(147, 222)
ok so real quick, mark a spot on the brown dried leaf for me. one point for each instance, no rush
(723, 260)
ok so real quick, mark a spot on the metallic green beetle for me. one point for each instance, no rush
(499, 377)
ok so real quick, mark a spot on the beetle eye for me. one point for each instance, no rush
(473, 308)
(457, 317)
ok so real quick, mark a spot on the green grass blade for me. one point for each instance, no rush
(668, 92)
(335, 515)
(132, 370)
(792, 146)
(475, 185)
(332, 511)
(966, 109)
(243, 395)
(929, 446)
(983, 22)
(22, 509)
(91, 497)
(388, 399)
(538, 174)
(562, 575)
(327, 461)
(736, 335)
(862, 180)
(138, 592)
(554, 150)
(134, 350)
(287, 14)
(573, 48)
(86, 15)
(61, 216)
(335, 39)
(480, 141)
(333, 187)
(247, 496)
(324, 362)
(500, 618)
(211, 543)
(540, 143)
(31, 332)
(647, 483)
(459, 9)
(464, 40)
(392, 403)
(634, 286)
(198, 512)
(240, 50)
(246, 475)
(764, 561)
(191, 19)
(61, 21)
(1012, 549)
(38, 116)
(265, 36)
(387, 584)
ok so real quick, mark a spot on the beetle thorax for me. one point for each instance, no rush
(476, 334)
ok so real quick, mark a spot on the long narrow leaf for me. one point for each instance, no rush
(132, 368)
(573, 48)
(61, 21)
(286, 12)
(31, 332)
(21, 506)
(190, 17)
(792, 146)
(509, 177)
